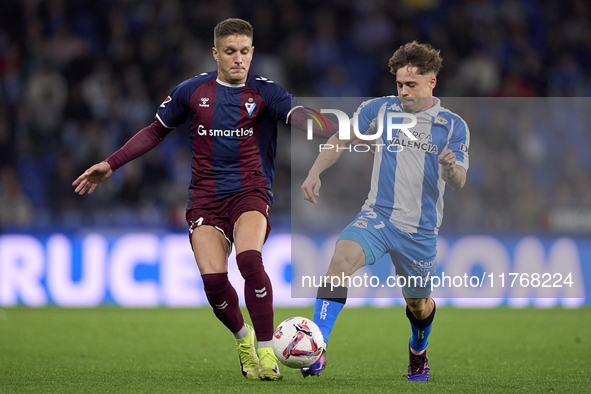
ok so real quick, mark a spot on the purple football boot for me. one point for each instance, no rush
(316, 368)
(418, 367)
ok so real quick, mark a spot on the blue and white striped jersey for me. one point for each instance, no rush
(406, 182)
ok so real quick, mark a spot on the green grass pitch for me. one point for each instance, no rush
(188, 350)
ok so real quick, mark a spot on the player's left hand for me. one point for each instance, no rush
(447, 159)
(311, 188)
(88, 181)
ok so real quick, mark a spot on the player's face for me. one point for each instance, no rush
(415, 90)
(233, 55)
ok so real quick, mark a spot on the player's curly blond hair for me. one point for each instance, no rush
(230, 27)
(423, 56)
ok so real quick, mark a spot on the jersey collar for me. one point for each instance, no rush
(435, 109)
(230, 85)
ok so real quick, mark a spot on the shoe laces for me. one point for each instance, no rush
(417, 362)
(267, 358)
(244, 347)
(245, 351)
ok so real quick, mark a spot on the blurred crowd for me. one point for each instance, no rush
(78, 78)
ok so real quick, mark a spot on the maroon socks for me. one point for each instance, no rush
(223, 299)
(258, 293)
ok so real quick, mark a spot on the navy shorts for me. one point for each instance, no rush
(224, 213)
(413, 255)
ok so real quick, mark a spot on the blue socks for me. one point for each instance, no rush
(420, 330)
(329, 304)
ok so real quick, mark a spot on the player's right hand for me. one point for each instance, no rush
(311, 188)
(92, 177)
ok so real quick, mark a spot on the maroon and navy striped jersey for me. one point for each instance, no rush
(233, 133)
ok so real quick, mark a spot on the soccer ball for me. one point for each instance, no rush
(298, 342)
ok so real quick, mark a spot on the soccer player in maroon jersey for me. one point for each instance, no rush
(232, 118)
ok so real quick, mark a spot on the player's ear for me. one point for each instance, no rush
(432, 82)
(214, 51)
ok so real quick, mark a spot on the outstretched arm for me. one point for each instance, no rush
(92, 177)
(326, 158)
(143, 141)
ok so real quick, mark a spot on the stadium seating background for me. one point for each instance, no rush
(77, 79)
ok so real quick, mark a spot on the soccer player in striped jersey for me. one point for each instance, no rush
(404, 208)
(232, 117)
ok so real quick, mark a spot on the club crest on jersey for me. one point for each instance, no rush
(361, 223)
(166, 100)
(441, 120)
(204, 101)
(250, 106)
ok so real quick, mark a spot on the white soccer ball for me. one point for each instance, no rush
(298, 342)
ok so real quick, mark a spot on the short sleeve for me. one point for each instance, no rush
(367, 115)
(175, 108)
(459, 142)
(277, 100)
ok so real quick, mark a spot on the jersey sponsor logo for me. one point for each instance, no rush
(441, 120)
(250, 107)
(204, 101)
(417, 134)
(424, 146)
(420, 135)
(463, 148)
(425, 264)
(166, 100)
(241, 132)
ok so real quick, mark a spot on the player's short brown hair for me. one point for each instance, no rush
(423, 56)
(230, 27)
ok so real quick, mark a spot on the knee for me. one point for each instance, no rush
(215, 283)
(348, 257)
(249, 263)
(416, 304)
(420, 307)
(342, 265)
